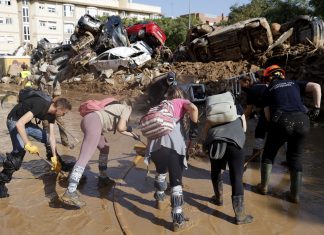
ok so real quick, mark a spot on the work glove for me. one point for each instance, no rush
(33, 149)
(193, 132)
(313, 113)
(56, 165)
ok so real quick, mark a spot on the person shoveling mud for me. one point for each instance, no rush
(20, 127)
(98, 117)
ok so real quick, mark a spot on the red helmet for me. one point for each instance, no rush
(274, 71)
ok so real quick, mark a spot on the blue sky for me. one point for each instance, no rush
(180, 7)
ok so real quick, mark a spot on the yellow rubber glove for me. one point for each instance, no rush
(33, 149)
(56, 165)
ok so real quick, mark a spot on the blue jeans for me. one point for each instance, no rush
(31, 129)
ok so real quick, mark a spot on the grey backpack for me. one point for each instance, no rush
(221, 108)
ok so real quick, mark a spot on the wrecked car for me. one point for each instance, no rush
(85, 32)
(113, 35)
(307, 29)
(129, 57)
(149, 32)
(241, 40)
(249, 39)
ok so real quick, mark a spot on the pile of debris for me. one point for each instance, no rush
(107, 58)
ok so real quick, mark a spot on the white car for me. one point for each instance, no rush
(130, 57)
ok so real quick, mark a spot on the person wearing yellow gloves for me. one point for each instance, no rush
(20, 127)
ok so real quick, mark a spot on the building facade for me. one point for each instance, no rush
(207, 18)
(29, 21)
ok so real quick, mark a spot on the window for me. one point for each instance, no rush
(105, 13)
(25, 15)
(8, 20)
(68, 10)
(68, 28)
(2, 20)
(51, 8)
(25, 2)
(6, 2)
(51, 25)
(92, 11)
(67, 41)
(42, 23)
(26, 33)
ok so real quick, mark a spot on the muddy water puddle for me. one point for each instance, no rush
(129, 207)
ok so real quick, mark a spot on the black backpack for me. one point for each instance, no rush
(30, 92)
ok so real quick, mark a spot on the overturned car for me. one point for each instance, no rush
(249, 39)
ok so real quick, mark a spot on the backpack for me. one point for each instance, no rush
(221, 108)
(159, 121)
(30, 92)
(90, 106)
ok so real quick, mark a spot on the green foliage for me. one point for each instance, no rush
(318, 6)
(273, 10)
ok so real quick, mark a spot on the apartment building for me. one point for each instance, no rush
(207, 18)
(30, 20)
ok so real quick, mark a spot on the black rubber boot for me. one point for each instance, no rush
(217, 199)
(10, 165)
(295, 186)
(238, 206)
(265, 176)
(3, 190)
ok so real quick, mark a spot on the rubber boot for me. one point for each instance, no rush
(295, 186)
(217, 199)
(238, 206)
(265, 176)
(3, 190)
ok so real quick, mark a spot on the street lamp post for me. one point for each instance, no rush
(189, 16)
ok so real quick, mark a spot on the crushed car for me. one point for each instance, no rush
(129, 57)
(249, 39)
(152, 35)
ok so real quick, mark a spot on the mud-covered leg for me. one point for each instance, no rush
(71, 196)
(160, 185)
(104, 179)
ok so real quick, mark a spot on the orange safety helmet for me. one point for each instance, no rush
(271, 70)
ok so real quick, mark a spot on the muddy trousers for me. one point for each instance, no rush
(291, 128)
(92, 128)
(168, 160)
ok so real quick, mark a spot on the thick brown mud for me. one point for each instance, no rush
(129, 207)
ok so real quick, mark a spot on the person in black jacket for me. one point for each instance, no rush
(288, 122)
(254, 97)
(20, 127)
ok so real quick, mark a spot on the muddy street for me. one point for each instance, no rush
(129, 207)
